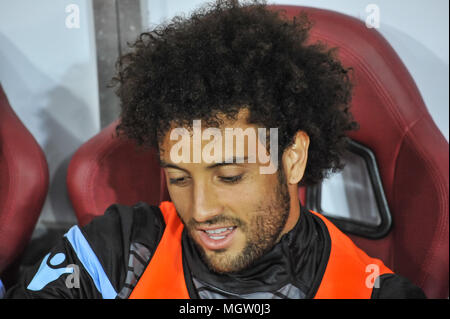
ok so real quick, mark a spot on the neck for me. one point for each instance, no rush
(294, 211)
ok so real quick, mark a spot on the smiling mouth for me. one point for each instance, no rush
(219, 233)
(216, 238)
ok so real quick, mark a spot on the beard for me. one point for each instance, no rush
(262, 232)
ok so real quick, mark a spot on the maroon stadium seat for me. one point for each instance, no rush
(411, 152)
(23, 184)
(107, 170)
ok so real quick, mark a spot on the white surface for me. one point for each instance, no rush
(49, 74)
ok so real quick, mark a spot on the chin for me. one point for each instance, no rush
(219, 261)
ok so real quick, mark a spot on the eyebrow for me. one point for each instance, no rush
(232, 161)
(164, 164)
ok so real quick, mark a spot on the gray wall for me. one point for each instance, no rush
(49, 73)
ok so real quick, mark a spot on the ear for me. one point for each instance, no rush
(295, 158)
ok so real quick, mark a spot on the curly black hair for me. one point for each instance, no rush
(227, 55)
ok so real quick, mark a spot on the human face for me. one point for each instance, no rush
(231, 211)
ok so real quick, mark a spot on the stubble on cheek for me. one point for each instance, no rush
(260, 234)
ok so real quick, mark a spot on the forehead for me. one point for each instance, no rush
(226, 124)
(234, 142)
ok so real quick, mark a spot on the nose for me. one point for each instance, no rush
(205, 203)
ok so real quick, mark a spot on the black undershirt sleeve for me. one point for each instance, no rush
(392, 286)
(30, 284)
(110, 237)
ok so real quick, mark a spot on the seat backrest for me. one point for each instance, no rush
(23, 184)
(395, 125)
(411, 152)
(107, 170)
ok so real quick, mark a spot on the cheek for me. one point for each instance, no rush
(250, 197)
(180, 197)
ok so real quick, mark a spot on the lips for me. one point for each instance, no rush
(215, 238)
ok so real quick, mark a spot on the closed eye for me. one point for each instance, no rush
(231, 179)
(180, 181)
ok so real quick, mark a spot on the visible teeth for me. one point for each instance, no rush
(210, 233)
(219, 230)
(217, 237)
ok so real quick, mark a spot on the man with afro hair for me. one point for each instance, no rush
(241, 110)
